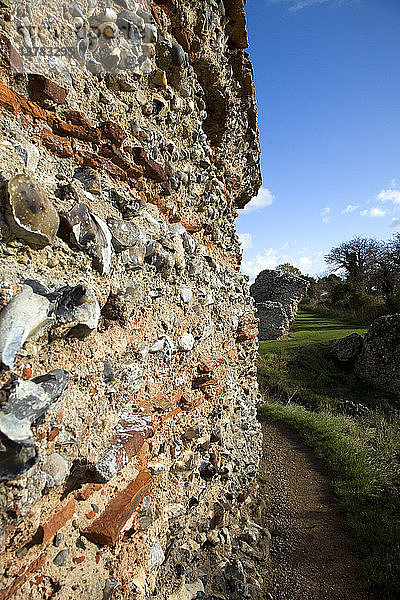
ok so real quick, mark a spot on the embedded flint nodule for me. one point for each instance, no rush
(31, 215)
(23, 403)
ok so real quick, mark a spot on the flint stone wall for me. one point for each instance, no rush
(277, 297)
(374, 357)
(345, 352)
(129, 440)
(379, 359)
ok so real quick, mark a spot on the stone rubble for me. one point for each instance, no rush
(128, 140)
(375, 358)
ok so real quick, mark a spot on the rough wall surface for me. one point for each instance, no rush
(277, 297)
(378, 359)
(129, 443)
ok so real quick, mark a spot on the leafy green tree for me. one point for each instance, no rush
(288, 268)
(358, 260)
(387, 276)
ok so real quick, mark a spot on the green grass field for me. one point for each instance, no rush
(303, 390)
(313, 329)
(294, 369)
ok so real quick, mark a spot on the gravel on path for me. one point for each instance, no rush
(311, 555)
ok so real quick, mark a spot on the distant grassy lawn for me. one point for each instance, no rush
(312, 329)
(363, 455)
(295, 369)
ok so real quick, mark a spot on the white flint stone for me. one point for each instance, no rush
(156, 556)
(106, 244)
(108, 15)
(186, 294)
(173, 510)
(163, 344)
(188, 591)
(57, 467)
(186, 342)
(25, 315)
(149, 50)
(131, 376)
(150, 33)
(176, 229)
(146, 66)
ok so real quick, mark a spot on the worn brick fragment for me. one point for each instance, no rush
(85, 492)
(117, 157)
(203, 381)
(58, 145)
(191, 227)
(181, 37)
(79, 132)
(34, 566)
(47, 531)
(10, 56)
(245, 334)
(79, 559)
(53, 434)
(76, 117)
(113, 132)
(127, 441)
(152, 169)
(42, 88)
(106, 529)
(17, 103)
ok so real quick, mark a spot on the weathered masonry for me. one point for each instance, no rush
(128, 439)
(277, 297)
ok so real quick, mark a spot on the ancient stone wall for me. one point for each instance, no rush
(129, 443)
(277, 296)
(374, 357)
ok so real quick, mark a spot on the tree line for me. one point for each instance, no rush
(364, 278)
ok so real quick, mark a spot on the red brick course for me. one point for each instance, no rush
(106, 529)
(34, 566)
(48, 530)
(10, 56)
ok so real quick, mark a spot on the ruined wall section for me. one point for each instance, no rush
(277, 296)
(129, 443)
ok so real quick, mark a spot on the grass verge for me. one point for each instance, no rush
(364, 461)
(295, 370)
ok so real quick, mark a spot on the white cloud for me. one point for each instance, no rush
(246, 240)
(350, 208)
(305, 4)
(264, 198)
(395, 224)
(389, 196)
(377, 212)
(296, 5)
(304, 262)
(374, 212)
(270, 258)
(325, 214)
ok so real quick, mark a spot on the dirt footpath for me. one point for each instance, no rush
(311, 556)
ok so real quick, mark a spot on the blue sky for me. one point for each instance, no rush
(328, 91)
